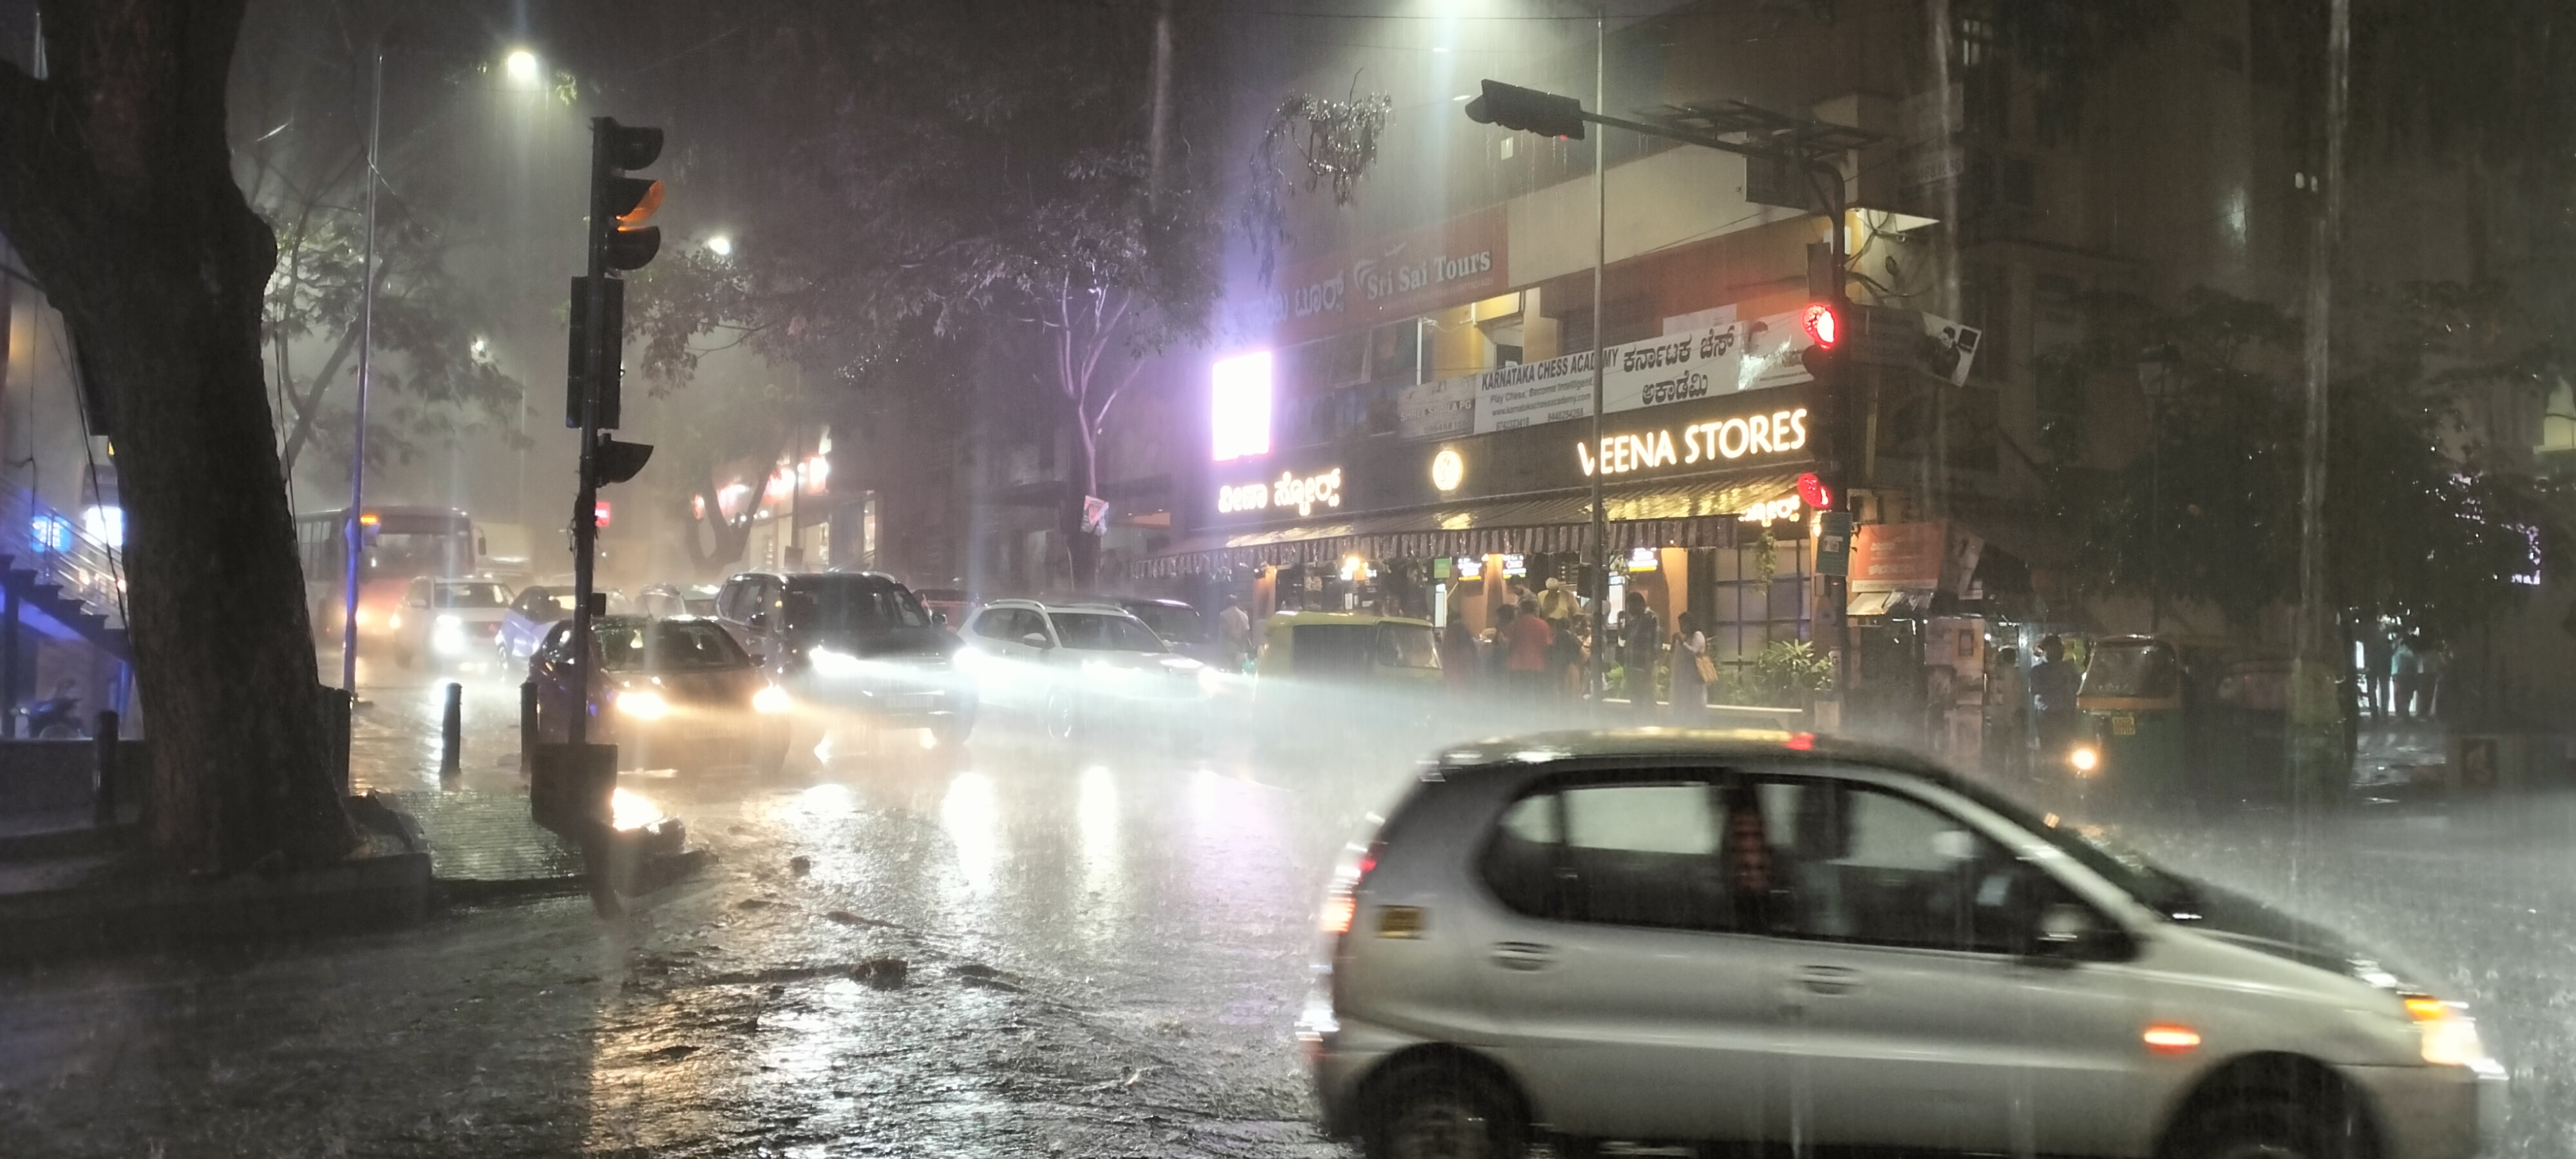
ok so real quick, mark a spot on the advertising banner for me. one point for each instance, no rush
(1754, 354)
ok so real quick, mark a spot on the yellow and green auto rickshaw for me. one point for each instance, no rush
(2133, 701)
(1322, 675)
(2164, 720)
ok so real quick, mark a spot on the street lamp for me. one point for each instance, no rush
(521, 67)
(720, 245)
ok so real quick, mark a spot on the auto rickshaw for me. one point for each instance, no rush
(2164, 720)
(1323, 675)
(2132, 701)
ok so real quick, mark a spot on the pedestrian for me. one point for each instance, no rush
(2405, 675)
(1564, 652)
(1497, 646)
(1234, 635)
(2431, 662)
(1641, 644)
(1691, 669)
(2053, 684)
(1458, 659)
(2374, 670)
(1526, 642)
(2008, 713)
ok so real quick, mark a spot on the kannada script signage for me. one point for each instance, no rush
(1710, 362)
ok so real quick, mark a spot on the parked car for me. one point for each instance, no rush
(1075, 667)
(677, 600)
(851, 644)
(950, 606)
(669, 693)
(1667, 935)
(1179, 624)
(447, 621)
(534, 613)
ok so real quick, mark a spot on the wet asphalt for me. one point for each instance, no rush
(1103, 944)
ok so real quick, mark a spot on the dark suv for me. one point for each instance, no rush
(851, 642)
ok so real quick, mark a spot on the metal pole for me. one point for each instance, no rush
(1596, 679)
(354, 533)
(585, 514)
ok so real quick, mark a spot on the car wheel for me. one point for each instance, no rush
(953, 730)
(2270, 1128)
(1431, 1111)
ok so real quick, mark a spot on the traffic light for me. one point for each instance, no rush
(1823, 323)
(616, 462)
(1829, 403)
(1529, 110)
(617, 240)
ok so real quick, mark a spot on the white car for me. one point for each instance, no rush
(447, 621)
(1079, 668)
(1666, 936)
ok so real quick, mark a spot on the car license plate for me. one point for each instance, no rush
(2124, 724)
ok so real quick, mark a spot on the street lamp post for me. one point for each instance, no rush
(353, 527)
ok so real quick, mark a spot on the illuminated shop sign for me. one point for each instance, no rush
(1774, 511)
(1777, 432)
(1323, 489)
(1448, 469)
(1239, 406)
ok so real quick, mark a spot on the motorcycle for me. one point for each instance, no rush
(57, 717)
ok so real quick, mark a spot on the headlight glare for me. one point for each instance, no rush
(772, 699)
(643, 705)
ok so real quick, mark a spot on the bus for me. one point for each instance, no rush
(400, 543)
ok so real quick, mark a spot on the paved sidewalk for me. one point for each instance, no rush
(477, 825)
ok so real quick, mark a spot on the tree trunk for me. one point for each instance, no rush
(1081, 481)
(116, 186)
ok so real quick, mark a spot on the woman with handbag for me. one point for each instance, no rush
(1692, 669)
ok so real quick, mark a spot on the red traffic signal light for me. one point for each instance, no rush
(1812, 489)
(1824, 325)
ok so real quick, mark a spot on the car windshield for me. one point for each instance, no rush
(1105, 632)
(667, 646)
(852, 606)
(1407, 646)
(1178, 624)
(471, 595)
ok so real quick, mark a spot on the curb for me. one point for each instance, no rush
(141, 913)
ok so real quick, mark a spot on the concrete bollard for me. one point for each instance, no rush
(105, 815)
(451, 733)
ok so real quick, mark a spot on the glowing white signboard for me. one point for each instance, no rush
(1239, 406)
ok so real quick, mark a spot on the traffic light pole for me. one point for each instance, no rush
(585, 513)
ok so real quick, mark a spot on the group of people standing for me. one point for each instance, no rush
(1541, 643)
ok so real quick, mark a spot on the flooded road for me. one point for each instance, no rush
(1101, 951)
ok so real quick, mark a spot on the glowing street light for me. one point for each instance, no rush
(521, 67)
(720, 245)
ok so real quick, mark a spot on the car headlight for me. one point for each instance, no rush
(643, 704)
(2085, 759)
(772, 699)
(2450, 1036)
(827, 662)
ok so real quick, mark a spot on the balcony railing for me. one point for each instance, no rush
(56, 547)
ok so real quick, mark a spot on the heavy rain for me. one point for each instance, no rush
(1403, 578)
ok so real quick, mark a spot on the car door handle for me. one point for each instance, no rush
(1829, 979)
(1523, 956)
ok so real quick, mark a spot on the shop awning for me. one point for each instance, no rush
(1697, 514)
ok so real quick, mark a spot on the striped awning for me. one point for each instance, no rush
(1697, 514)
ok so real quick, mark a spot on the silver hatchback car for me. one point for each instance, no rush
(1665, 936)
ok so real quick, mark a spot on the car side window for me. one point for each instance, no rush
(1630, 852)
(729, 601)
(1866, 865)
(555, 647)
(994, 624)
